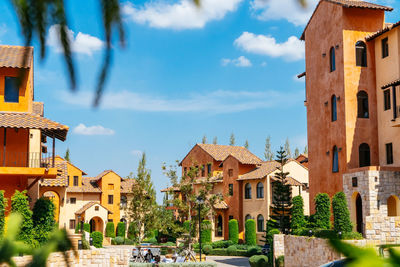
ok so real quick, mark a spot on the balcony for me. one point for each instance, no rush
(27, 163)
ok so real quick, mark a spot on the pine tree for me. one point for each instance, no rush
(232, 140)
(215, 140)
(204, 140)
(296, 152)
(287, 148)
(281, 196)
(66, 157)
(246, 144)
(268, 155)
(305, 150)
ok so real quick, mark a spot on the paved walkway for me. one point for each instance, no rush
(229, 261)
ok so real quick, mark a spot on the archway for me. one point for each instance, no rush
(55, 198)
(96, 224)
(359, 215)
(392, 206)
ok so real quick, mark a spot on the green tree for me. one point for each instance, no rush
(20, 205)
(215, 140)
(322, 214)
(3, 205)
(232, 140)
(296, 152)
(121, 226)
(204, 140)
(233, 231)
(287, 148)
(268, 155)
(305, 150)
(298, 221)
(43, 219)
(140, 211)
(66, 157)
(281, 195)
(246, 144)
(341, 214)
(250, 232)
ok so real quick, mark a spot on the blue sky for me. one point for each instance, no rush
(227, 68)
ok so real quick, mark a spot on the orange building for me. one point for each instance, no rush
(352, 106)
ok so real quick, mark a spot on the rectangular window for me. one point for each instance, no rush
(184, 170)
(385, 47)
(110, 199)
(230, 172)
(231, 189)
(96, 208)
(71, 224)
(11, 90)
(76, 179)
(203, 170)
(386, 99)
(209, 168)
(68, 183)
(72, 200)
(389, 153)
(110, 187)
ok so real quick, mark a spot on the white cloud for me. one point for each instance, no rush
(289, 10)
(214, 102)
(180, 15)
(238, 62)
(81, 43)
(82, 129)
(291, 50)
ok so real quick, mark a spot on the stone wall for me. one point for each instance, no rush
(279, 245)
(110, 257)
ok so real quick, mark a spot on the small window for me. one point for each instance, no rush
(364, 155)
(332, 59)
(334, 108)
(248, 217)
(385, 47)
(335, 160)
(209, 168)
(110, 187)
(68, 181)
(386, 99)
(247, 191)
(354, 182)
(110, 199)
(11, 90)
(260, 190)
(362, 103)
(361, 54)
(203, 170)
(260, 223)
(72, 200)
(96, 208)
(231, 189)
(72, 224)
(76, 180)
(184, 170)
(110, 220)
(389, 153)
(230, 172)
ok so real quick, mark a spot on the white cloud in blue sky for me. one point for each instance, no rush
(82, 129)
(241, 61)
(181, 15)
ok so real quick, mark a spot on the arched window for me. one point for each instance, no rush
(248, 217)
(334, 108)
(247, 191)
(362, 104)
(361, 54)
(260, 223)
(260, 190)
(392, 206)
(335, 159)
(332, 60)
(364, 155)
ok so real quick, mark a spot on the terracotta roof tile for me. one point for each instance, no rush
(89, 185)
(13, 56)
(88, 205)
(61, 179)
(264, 169)
(126, 185)
(221, 205)
(380, 32)
(31, 121)
(38, 108)
(171, 188)
(221, 152)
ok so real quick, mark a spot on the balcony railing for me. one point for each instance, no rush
(26, 159)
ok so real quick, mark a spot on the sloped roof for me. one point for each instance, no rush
(261, 171)
(89, 185)
(89, 205)
(126, 185)
(221, 205)
(31, 121)
(13, 56)
(61, 179)
(171, 188)
(380, 32)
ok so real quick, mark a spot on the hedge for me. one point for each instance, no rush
(119, 240)
(110, 229)
(3, 205)
(20, 204)
(206, 249)
(250, 232)
(234, 231)
(222, 244)
(322, 214)
(43, 219)
(258, 261)
(206, 231)
(341, 214)
(183, 264)
(231, 250)
(121, 229)
(86, 227)
(297, 220)
(253, 250)
(97, 239)
(77, 228)
(224, 252)
(280, 261)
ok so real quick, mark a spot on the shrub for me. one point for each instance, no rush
(3, 205)
(77, 228)
(151, 241)
(297, 221)
(121, 229)
(241, 246)
(113, 241)
(250, 232)
(322, 216)
(128, 242)
(97, 239)
(222, 243)
(110, 229)
(231, 250)
(324, 233)
(233, 231)
(258, 261)
(86, 227)
(43, 219)
(341, 214)
(253, 250)
(206, 231)
(280, 261)
(20, 204)
(351, 236)
(132, 233)
(119, 240)
(207, 249)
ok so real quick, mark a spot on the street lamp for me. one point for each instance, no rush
(199, 202)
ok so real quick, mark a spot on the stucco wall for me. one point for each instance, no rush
(106, 181)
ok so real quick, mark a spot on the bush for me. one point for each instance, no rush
(241, 246)
(352, 236)
(151, 241)
(222, 244)
(207, 249)
(250, 232)
(280, 261)
(206, 231)
(324, 233)
(253, 250)
(233, 231)
(132, 233)
(297, 220)
(119, 240)
(322, 216)
(128, 242)
(3, 205)
(110, 229)
(20, 204)
(85, 244)
(121, 229)
(86, 227)
(97, 239)
(258, 261)
(231, 250)
(77, 228)
(43, 219)
(341, 214)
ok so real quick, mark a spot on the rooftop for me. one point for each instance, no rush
(13, 56)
